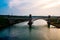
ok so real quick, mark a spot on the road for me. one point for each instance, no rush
(39, 31)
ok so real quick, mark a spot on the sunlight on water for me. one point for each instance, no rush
(40, 22)
(37, 22)
(54, 34)
(21, 24)
(51, 26)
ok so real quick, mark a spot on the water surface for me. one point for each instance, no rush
(39, 31)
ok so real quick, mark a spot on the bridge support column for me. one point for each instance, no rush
(49, 21)
(30, 21)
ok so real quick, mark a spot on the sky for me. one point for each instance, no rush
(26, 7)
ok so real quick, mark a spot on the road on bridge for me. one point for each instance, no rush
(39, 31)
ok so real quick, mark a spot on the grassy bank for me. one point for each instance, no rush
(5, 22)
(55, 22)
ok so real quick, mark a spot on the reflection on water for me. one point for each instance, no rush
(38, 31)
(40, 22)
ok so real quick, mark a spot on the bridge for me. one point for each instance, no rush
(14, 20)
(10, 20)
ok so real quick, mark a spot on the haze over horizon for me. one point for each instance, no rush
(26, 7)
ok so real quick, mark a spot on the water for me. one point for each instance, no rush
(39, 31)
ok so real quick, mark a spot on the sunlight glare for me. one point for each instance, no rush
(40, 22)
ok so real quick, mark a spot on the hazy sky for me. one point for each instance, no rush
(26, 7)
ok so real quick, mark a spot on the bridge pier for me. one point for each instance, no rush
(48, 22)
(30, 21)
